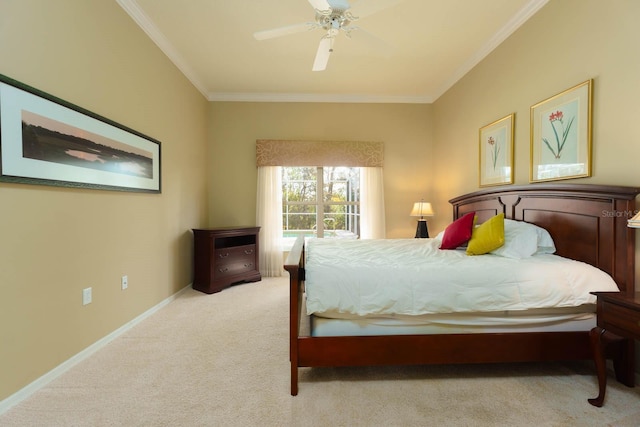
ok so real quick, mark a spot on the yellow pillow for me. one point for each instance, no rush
(487, 237)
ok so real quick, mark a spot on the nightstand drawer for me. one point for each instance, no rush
(233, 268)
(233, 253)
(235, 260)
(616, 316)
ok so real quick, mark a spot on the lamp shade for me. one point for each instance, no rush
(422, 209)
(635, 221)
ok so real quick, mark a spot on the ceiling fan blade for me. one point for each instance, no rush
(320, 4)
(322, 55)
(284, 31)
(369, 7)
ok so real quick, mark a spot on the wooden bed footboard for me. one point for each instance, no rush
(593, 215)
(294, 264)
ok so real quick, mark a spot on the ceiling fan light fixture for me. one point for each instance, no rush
(333, 20)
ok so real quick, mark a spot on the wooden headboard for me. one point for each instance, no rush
(587, 222)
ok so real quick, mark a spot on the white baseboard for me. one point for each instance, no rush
(36, 385)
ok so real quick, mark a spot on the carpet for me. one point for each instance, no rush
(222, 360)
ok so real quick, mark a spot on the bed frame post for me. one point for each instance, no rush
(295, 266)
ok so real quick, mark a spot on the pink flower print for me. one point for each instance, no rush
(558, 125)
(494, 152)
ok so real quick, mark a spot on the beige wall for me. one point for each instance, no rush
(405, 130)
(567, 42)
(57, 241)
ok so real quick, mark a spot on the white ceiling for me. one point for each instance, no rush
(433, 43)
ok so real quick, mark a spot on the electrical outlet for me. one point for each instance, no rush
(86, 296)
(124, 282)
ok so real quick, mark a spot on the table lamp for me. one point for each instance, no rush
(423, 209)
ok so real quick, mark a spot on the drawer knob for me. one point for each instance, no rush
(224, 255)
(248, 251)
(222, 270)
(248, 265)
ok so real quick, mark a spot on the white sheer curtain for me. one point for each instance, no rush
(269, 218)
(372, 219)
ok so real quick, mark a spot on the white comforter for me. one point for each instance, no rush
(413, 276)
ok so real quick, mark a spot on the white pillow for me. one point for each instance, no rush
(522, 240)
(545, 241)
(519, 241)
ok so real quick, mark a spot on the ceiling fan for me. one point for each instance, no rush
(332, 16)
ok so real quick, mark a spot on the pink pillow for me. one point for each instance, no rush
(458, 232)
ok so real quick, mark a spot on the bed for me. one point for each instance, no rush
(587, 223)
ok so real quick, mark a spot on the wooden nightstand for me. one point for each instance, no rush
(618, 325)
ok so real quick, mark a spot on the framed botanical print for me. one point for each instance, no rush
(496, 152)
(561, 135)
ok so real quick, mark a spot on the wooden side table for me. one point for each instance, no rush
(618, 325)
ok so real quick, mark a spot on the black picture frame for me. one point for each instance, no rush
(47, 141)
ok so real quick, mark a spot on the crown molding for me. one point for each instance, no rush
(314, 97)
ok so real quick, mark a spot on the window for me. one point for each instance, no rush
(321, 201)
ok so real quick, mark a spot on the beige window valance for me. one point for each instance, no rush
(273, 152)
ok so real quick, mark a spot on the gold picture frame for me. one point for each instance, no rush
(561, 135)
(496, 152)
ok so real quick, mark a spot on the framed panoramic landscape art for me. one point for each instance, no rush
(561, 135)
(45, 140)
(496, 152)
